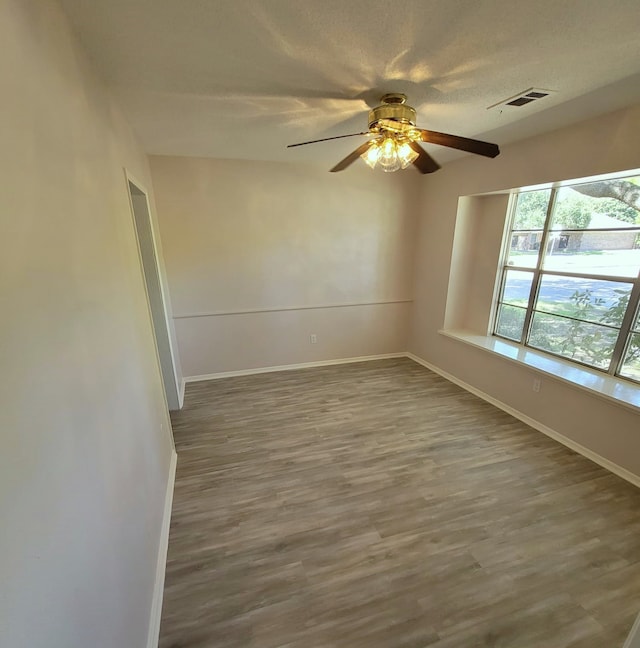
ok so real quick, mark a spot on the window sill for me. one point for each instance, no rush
(612, 389)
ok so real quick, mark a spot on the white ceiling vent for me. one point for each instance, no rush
(523, 98)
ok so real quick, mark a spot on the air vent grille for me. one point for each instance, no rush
(523, 98)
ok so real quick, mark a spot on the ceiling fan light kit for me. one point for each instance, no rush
(395, 122)
(395, 146)
(389, 154)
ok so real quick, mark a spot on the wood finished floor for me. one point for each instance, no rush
(377, 505)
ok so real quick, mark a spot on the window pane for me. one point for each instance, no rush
(580, 341)
(524, 248)
(603, 244)
(611, 253)
(516, 287)
(531, 210)
(510, 322)
(576, 209)
(591, 300)
(631, 364)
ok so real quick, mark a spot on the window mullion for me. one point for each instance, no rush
(538, 269)
(586, 275)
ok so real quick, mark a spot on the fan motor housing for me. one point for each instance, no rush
(392, 109)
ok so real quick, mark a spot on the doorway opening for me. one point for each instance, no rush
(155, 297)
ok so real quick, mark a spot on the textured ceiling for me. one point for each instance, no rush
(243, 78)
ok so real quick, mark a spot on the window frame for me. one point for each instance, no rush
(632, 312)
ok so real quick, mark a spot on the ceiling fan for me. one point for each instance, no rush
(394, 140)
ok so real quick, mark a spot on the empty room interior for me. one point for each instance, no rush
(380, 388)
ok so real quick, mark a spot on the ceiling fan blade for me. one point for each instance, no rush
(326, 139)
(424, 162)
(462, 143)
(352, 157)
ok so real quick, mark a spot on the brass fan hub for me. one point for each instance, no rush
(392, 114)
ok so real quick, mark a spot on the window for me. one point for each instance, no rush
(570, 284)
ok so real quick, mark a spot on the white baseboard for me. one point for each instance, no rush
(181, 393)
(300, 365)
(633, 640)
(158, 590)
(536, 425)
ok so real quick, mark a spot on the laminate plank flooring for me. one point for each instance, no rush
(377, 505)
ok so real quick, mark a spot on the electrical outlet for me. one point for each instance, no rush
(313, 338)
(536, 384)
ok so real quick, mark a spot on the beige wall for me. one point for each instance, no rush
(303, 250)
(86, 447)
(602, 145)
(479, 228)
